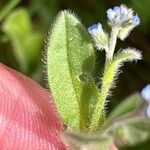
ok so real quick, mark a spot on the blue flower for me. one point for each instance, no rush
(115, 14)
(145, 93)
(95, 28)
(122, 16)
(135, 20)
(99, 36)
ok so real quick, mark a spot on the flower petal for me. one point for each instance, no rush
(95, 28)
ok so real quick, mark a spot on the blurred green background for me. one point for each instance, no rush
(24, 26)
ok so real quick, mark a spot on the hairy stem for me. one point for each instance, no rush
(112, 42)
(107, 80)
(98, 115)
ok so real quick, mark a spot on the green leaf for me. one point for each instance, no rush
(6, 9)
(131, 133)
(129, 54)
(126, 106)
(70, 62)
(127, 124)
(110, 74)
(112, 68)
(26, 43)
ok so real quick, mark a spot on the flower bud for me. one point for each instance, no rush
(135, 20)
(99, 36)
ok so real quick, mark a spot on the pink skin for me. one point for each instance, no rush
(28, 118)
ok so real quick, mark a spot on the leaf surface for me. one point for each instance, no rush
(70, 61)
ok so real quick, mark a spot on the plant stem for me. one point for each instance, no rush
(107, 80)
(99, 109)
(112, 43)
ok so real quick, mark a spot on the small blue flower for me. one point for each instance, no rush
(99, 36)
(122, 16)
(136, 20)
(145, 93)
(115, 14)
(95, 28)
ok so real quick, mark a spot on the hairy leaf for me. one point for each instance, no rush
(70, 61)
(110, 73)
(125, 55)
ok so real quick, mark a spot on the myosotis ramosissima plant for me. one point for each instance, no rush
(122, 21)
(79, 100)
(71, 59)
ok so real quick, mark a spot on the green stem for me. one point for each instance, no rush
(98, 115)
(107, 80)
